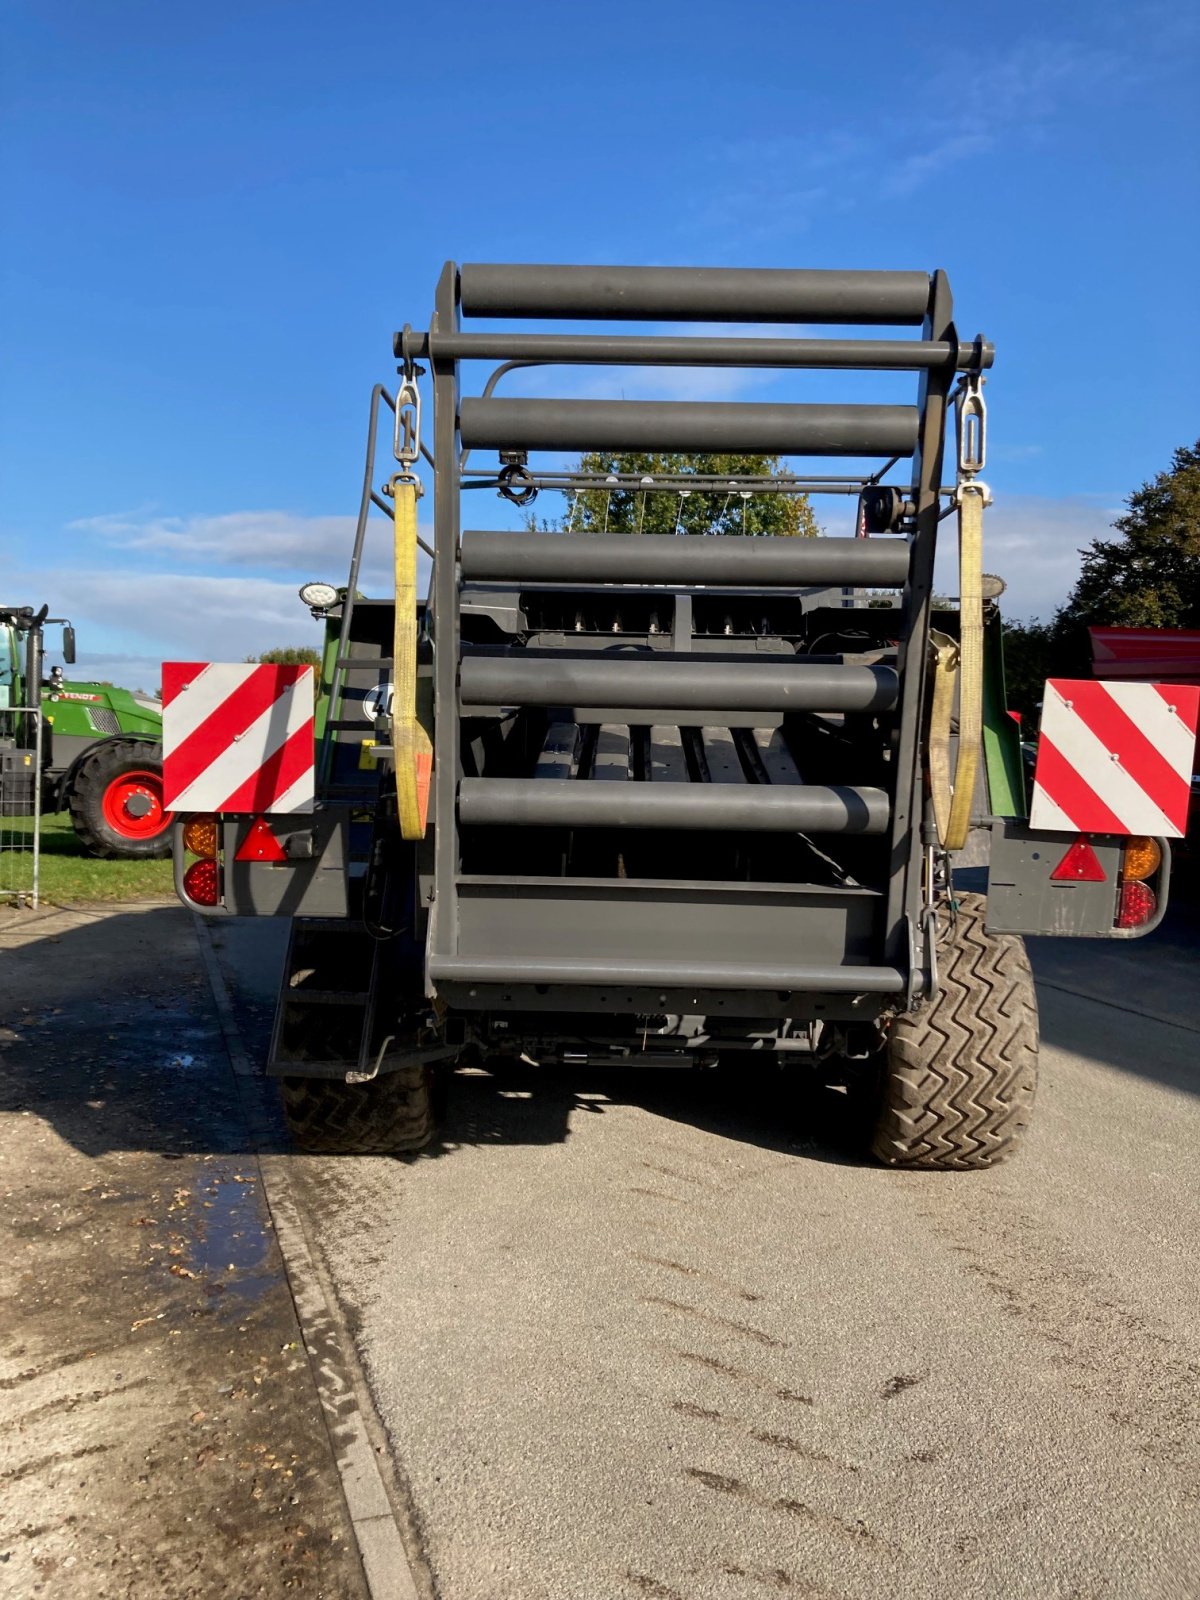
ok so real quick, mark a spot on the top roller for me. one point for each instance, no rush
(695, 294)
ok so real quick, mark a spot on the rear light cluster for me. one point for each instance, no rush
(1140, 859)
(202, 880)
(1137, 903)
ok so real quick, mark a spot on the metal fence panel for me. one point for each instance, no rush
(21, 812)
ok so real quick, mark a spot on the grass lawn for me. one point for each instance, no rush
(68, 874)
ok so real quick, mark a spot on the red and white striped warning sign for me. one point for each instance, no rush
(237, 738)
(1115, 757)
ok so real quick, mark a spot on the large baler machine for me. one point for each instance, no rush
(674, 778)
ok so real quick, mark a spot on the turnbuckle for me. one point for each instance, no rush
(971, 425)
(406, 440)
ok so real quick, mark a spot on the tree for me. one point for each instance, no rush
(646, 511)
(1150, 576)
(1030, 657)
(293, 655)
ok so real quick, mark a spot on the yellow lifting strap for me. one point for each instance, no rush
(411, 712)
(953, 797)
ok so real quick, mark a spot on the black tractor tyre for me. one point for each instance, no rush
(959, 1075)
(115, 774)
(389, 1115)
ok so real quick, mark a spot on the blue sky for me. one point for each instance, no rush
(214, 217)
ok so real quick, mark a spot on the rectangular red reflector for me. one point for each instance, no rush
(260, 844)
(1080, 865)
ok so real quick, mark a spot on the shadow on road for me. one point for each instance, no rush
(108, 1032)
(744, 1101)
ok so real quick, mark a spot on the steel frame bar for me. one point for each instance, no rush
(666, 974)
(905, 886)
(443, 923)
(667, 350)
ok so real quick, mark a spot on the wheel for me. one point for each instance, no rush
(959, 1075)
(117, 801)
(390, 1114)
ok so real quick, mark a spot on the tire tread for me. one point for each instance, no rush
(389, 1115)
(960, 1075)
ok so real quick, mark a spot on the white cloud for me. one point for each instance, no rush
(262, 541)
(1031, 541)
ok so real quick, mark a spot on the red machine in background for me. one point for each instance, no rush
(1155, 655)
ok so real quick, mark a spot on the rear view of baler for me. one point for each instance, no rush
(660, 799)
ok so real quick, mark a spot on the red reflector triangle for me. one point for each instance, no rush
(1081, 864)
(260, 844)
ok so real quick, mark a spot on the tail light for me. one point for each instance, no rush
(202, 880)
(1140, 859)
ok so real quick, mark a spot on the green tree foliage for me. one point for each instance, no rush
(293, 655)
(1148, 577)
(1030, 657)
(640, 511)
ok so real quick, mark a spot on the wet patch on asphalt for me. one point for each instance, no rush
(159, 1430)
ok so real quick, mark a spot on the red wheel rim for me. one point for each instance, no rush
(136, 787)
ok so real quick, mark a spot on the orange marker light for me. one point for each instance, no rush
(200, 836)
(1140, 858)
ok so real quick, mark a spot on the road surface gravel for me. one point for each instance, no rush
(666, 1335)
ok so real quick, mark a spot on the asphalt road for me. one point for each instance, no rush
(667, 1336)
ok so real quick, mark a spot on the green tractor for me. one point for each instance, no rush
(101, 746)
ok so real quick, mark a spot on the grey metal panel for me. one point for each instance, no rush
(1022, 898)
(776, 756)
(667, 762)
(662, 558)
(610, 763)
(302, 886)
(820, 430)
(739, 807)
(669, 932)
(685, 684)
(694, 294)
(721, 756)
(560, 750)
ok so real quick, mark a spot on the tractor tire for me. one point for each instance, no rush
(116, 801)
(389, 1115)
(959, 1075)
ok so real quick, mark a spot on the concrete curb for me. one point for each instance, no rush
(385, 1562)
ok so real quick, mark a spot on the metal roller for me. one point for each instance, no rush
(689, 683)
(736, 807)
(695, 294)
(689, 425)
(662, 558)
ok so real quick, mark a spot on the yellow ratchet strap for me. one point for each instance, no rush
(411, 718)
(954, 797)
